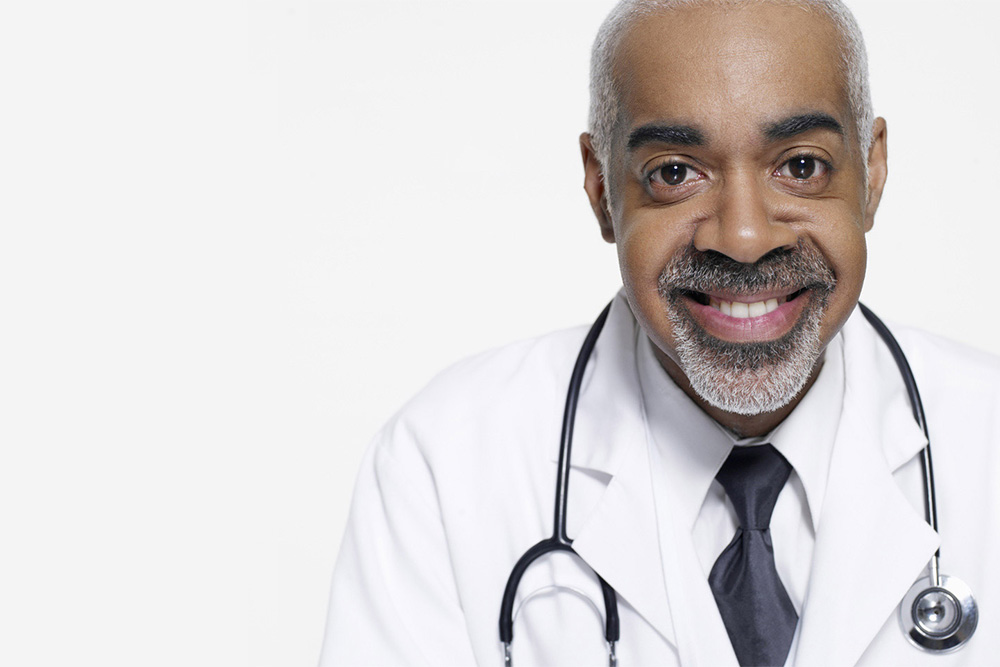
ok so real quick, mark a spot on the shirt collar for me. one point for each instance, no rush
(690, 443)
(805, 438)
(694, 446)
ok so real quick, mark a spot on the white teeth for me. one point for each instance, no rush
(744, 310)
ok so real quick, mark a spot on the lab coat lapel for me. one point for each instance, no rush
(618, 537)
(619, 540)
(871, 543)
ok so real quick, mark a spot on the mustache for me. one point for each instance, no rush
(802, 267)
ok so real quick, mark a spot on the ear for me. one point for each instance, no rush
(878, 169)
(593, 183)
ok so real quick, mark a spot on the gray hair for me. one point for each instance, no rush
(604, 102)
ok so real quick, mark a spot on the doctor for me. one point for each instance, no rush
(734, 160)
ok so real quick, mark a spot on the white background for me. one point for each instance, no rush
(237, 236)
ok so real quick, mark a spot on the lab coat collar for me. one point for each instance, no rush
(619, 537)
(871, 543)
(606, 417)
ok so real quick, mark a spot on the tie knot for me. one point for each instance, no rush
(753, 477)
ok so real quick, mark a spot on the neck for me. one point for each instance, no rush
(744, 426)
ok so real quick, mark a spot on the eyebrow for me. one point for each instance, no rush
(795, 125)
(678, 135)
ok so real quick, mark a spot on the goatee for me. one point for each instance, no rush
(754, 377)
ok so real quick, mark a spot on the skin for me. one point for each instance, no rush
(729, 73)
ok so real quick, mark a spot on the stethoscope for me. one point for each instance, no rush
(937, 614)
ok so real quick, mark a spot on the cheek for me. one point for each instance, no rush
(646, 244)
(849, 251)
(849, 258)
(647, 240)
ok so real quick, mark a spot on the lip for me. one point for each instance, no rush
(767, 327)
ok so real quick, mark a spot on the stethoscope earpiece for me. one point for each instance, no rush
(939, 618)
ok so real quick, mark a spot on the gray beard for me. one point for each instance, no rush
(748, 378)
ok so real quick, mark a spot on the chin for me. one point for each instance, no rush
(749, 378)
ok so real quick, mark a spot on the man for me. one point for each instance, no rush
(734, 161)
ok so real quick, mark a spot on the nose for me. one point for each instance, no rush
(744, 227)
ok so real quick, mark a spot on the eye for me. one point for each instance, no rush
(804, 168)
(673, 174)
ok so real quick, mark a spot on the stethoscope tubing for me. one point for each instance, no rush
(917, 405)
(560, 541)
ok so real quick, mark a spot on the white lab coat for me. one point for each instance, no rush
(461, 482)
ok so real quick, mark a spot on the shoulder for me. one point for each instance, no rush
(947, 364)
(477, 380)
(959, 387)
(505, 394)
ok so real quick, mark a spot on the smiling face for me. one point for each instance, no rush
(738, 200)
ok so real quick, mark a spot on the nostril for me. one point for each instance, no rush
(745, 238)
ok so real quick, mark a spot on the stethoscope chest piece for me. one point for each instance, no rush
(938, 618)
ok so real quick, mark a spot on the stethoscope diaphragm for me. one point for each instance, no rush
(938, 617)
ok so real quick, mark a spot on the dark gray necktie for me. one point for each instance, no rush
(759, 617)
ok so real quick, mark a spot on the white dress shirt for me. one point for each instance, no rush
(693, 447)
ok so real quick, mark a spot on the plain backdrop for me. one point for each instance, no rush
(236, 236)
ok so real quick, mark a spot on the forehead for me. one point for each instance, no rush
(730, 69)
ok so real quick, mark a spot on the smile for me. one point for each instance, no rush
(747, 318)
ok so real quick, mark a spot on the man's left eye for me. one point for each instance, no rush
(803, 167)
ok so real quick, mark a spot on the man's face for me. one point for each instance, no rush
(737, 197)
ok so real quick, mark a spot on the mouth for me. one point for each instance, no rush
(747, 318)
(743, 307)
